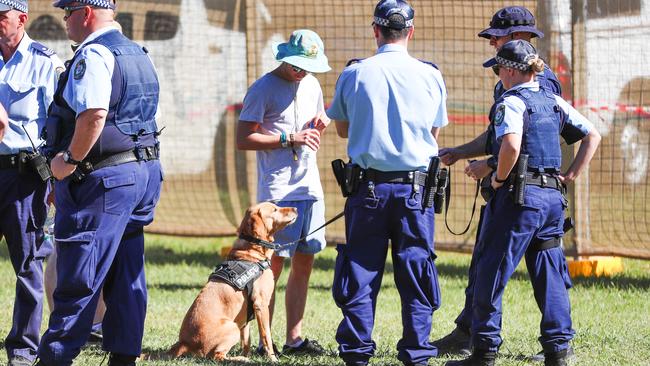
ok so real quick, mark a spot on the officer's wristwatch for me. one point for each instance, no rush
(67, 158)
(492, 162)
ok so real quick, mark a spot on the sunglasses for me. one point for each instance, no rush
(496, 68)
(68, 10)
(298, 70)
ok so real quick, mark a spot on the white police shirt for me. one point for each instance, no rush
(391, 101)
(90, 78)
(514, 108)
(27, 85)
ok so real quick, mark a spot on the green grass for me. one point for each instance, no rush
(611, 316)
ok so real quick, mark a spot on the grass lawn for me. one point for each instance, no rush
(611, 316)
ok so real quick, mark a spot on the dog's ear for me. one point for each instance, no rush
(253, 224)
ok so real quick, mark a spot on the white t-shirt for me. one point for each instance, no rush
(280, 105)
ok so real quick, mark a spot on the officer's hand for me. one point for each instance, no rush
(477, 169)
(309, 137)
(496, 185)
(61, 169)
(449, 155)
(566, 178)
(320, 122)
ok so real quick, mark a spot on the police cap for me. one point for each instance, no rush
(20, 5)
(387, 8)
(105, 4)
(514, 54)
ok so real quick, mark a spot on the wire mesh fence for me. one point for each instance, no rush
(207, 52)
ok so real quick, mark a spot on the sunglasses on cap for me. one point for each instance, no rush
(68, 10)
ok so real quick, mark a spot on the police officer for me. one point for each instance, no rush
(28, 73)
(512, 22)
(108, 183)
(528, 121)
(385, 105)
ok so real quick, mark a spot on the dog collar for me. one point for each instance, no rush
(264, 243)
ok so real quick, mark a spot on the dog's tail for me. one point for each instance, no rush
(178, 350)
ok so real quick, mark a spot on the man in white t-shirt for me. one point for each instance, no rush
(282, 119)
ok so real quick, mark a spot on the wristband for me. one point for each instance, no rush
(283, 139)
(492, 162)
(496, 179)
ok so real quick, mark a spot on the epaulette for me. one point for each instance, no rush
(430, 63)
(353, 61)
(43, 49)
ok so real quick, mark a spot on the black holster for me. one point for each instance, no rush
(518, 179)
(441, 190)
(347, 176)
(34, 162)
(487, 192)
(431, 184)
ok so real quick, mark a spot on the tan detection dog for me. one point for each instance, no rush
(218, 317)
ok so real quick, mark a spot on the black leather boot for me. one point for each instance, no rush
(477, 358)
(555, 358)
(117, 359)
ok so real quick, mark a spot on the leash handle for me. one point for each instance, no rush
(448, 201)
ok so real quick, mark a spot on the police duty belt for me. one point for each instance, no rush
(274, 246)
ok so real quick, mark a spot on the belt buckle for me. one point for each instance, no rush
(544, 180)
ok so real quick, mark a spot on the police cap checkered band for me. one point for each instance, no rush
(386, 23)
(386, 9)
(20, 5)
(105, 4)
(513, 64)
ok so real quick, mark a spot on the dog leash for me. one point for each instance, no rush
(448, 202)
(274, 246)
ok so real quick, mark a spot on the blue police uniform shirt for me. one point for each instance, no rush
(88, 86)
(391, 101)
(514, 108)
(27, 85)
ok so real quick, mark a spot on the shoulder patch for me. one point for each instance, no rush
(43, 49)
(499, 114)
(430, 64)
(80, 69)
(353, 61)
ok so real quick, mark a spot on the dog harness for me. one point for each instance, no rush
(241, 275)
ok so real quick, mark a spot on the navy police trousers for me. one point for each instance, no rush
(538, 277)
(23, 209)
(100, 242)
(392, 212)
(506, 232)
